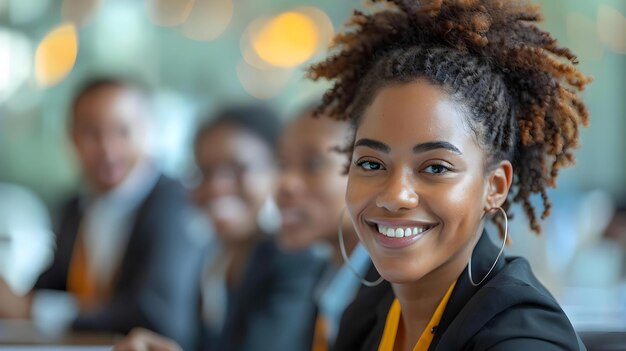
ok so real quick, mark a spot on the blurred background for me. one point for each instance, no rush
(197, 55)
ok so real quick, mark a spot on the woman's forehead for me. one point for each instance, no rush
(415, 113)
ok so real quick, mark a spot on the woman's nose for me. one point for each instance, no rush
(399, 192)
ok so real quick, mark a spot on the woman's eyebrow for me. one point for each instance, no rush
(423, 147)
(373, 144)
(432, 145)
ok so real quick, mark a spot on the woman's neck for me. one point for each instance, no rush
(419, 300)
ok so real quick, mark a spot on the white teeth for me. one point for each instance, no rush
(401, 232)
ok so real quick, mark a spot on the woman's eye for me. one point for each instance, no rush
(370, 165)
(436, 169)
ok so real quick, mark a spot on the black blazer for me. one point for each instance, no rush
(157, 276)
(510, 311)
(273, 307)
(371, 275)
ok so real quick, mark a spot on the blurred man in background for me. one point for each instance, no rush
(124, 256)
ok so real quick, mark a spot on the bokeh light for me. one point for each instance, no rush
(208, 19)
(56, 55)
(612, 28)
(168, 13)
(247, 51)
(79, 11)
(287, 40)
(15, 62)
(583, 37)
(122, 38)
(323, 23)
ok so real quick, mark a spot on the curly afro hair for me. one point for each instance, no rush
(520, 87)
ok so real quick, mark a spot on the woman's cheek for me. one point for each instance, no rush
(355, 195)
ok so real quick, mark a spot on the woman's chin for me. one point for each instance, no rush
(396, 278)
(396, 275)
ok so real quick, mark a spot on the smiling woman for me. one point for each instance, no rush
(459, 108)
(416, 168)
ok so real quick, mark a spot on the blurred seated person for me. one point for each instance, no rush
(124, 256)
(311, 197)
(26, 238)
(253, 295)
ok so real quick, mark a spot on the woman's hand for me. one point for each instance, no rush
(140, 339)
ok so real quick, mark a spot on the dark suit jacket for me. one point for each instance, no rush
(371, 275)
(156, 279)
(273, 308)
(510, 311)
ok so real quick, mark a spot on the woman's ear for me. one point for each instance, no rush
(500, 179)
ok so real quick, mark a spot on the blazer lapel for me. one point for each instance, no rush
(382, 309)
(483, 258)
(363, 322)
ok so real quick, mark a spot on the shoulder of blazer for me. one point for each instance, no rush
(511, 304)
(364, 319)
(165, 203)
(269, 267)
(167, 193)
(158, 222)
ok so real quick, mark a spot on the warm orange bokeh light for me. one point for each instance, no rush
(286, 40)
(56, 55)
(322, 22)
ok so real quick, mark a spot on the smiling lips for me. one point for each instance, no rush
(400, 232)
(398, 236)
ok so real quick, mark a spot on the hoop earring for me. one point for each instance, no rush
(342, 248)
(506, 233)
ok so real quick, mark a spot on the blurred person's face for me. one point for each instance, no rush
(311, 188)
(237, 173)
(108, 131)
